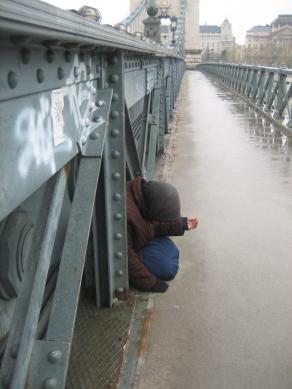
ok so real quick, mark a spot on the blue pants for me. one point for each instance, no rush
(161, 257)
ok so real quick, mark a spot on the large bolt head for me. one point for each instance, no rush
(14, 249)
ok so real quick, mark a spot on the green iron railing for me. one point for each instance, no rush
(268, 89)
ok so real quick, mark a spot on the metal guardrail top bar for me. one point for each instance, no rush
(34, 19)
(267, 69)
(267, 89)
(135, 13)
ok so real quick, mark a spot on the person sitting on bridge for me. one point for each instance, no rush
(153, 214)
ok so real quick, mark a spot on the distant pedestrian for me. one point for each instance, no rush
(153, 214)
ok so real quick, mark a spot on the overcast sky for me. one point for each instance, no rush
(242, 14)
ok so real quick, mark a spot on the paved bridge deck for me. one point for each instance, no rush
(226, 321)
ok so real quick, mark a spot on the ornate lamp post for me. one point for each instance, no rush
(173, 26)
(152, 24)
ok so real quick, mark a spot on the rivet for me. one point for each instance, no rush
(118, 236)
(7, 380)
(12, 80)
(68, 56)
(94, 135)
(114, 78)
(40, 76)
(119, 273)
(117, 196)
(105, 85)
(115, 97)
(76, 71)
(25, 56)
(119, 255)
(87, 122)
(116, 176)
(50, 383)
(120, 290)
(50, 56)
(115, 132)
(55, 356)
(118, 216)
(91, 106)
(61, 73)
(116, 154)
(14, 351)
(114, 60)
(98, 119)
(115, 114)
(83, 140)
(100, 103)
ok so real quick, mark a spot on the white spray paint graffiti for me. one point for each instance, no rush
(36, 129)
(34, 132)
(80, 96)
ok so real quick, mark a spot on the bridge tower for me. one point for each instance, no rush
(192, 35)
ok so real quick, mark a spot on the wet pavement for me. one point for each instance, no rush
(226, 320)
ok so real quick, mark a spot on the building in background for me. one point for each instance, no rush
(270, 44)
(258, 37)
(216, 41)
(278, 32)
(281, 31)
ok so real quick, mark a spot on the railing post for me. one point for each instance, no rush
(263, 89)
(268, 91)
(280, 95)
(251, 81)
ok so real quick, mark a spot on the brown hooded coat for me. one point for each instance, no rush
(141, 232)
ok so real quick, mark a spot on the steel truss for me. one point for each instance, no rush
(134, 23)
(267, 89)
(83, 108)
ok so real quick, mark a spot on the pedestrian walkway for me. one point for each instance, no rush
(226, 320)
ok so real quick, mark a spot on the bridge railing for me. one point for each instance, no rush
(83, 108)
(268, 89)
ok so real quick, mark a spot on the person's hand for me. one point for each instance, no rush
(192, 223)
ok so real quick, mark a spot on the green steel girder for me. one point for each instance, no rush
(90, 105)
(43, 24)
(66, 296)
(114, 163)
